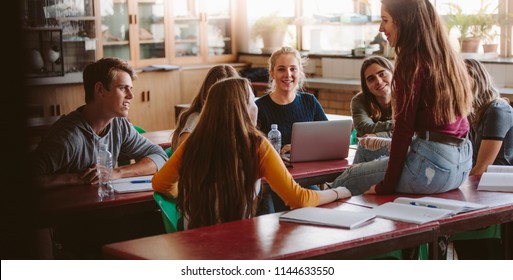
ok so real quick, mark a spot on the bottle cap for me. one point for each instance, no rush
(274, 126)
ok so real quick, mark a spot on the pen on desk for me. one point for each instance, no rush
(140, 181)
(425, 205)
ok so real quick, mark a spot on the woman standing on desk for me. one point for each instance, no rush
(215, 173)
(432, 98)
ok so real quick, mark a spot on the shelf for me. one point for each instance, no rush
(151, 41)
(189, 18)
(85, 18)
(186, 41)
(218, 18)
(115, 43)
(76, 39)
(41, 29)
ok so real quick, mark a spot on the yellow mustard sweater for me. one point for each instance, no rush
(271, 168)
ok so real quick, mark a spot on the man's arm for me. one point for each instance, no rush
(144, 166)
(88, 176)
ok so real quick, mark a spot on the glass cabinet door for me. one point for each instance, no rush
(115, 29)
(187, 19)
(151, 33)
(219, 27)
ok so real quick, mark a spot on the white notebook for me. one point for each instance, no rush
(455, 206)
(409, 213)
(132, 184)
(424, 209)
(498, 178)
(327, 217)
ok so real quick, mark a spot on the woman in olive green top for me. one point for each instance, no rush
(371, 109)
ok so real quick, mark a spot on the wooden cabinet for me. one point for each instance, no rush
(43, 47)
(191, 80)
(143, 32)
(77, 20)
(155, 95)
(56, 100)
(135, 30)
(204, 31)
(147, 32)
(152, 108)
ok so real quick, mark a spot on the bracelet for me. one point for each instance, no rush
(336, 193)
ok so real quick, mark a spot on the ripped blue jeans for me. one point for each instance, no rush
(363, 155)
(430, 167)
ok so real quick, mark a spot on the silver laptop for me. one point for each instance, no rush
(320, 140)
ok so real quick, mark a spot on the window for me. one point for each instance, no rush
(338, 26)
(286, 9)
(485, 18)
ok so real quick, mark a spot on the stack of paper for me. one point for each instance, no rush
(132, 184)
(327, 217)
(497, 178)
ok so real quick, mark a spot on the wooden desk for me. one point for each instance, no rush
(264, 237)
(318, 172)
(66, 202)
(160, 137)
(69, 203)
(500, 210)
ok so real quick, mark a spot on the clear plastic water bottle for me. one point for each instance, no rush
(104, 169)
(274, 137)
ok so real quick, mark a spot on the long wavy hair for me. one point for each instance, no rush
(424, 52)
(220, 160)
(484, 90)
(215, 74)
(370, 101)
(301, 61)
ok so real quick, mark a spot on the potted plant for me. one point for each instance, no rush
(465, 23)
(272, 30)
(486, 19)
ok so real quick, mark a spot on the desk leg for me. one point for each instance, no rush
(507, 239)
(433, 249)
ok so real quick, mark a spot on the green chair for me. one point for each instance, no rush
(170, 215)
(127, 162)
(392, 255)
(398, 254)
(168, 151)
(353, 140)
(139, 129)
